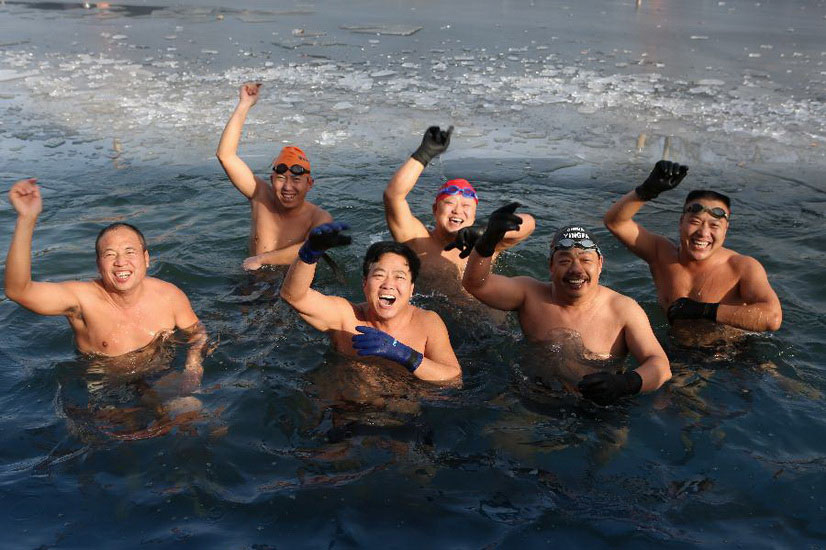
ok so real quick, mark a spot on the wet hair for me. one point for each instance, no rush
(118, 225)
(708, 194)
(379, 249)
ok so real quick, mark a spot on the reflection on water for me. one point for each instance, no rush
(137, 395)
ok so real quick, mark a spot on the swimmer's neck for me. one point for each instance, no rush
(122, 300)
(574, 302)
(293, 211)
(401, 319)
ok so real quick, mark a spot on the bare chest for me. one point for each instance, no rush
(601, 332)
(713, 284)
(271, 230)
(109, 330)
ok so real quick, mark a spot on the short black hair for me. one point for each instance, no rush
(708, 194)
(379, 249)
(117, 225)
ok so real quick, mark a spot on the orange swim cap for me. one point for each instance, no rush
(291, 156)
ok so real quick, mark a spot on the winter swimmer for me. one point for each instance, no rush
(609, 324)
(385, 325)
(697, 278)
(444, 249)
(123, 310)
(281, 217)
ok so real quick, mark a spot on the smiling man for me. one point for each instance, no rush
(697, 278)
(385, 326)
(281, 217)
(444, 249)
(608, 324)
(123, 310)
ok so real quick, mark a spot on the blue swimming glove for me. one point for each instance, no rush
(665, 176)
(372, 341)
(434, 142)
(326, 235)
(686, 308)
(605, 388)
(465, 240)
(500, 222)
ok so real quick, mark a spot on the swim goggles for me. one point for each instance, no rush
(456, 190)
(296, 169)
(696, 208)
(585, 244)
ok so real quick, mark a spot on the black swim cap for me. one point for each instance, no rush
(572, 236)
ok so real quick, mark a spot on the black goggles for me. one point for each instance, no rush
(696, 208)
(584, 244)
(296, 169)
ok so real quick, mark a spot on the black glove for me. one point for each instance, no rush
(604, 388)
(434, 142)
(665, 176)
(326, 235)
(500, 222)
(465, 240)
(686, 308)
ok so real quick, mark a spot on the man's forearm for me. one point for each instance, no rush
(757, 317)
(404, 179)
(19, 260)
(433, 371)
(654, 371)
(197, 342)
(297, 282)
(623, 210)
(231, 135)
(477, 271)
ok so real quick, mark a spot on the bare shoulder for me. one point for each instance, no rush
(427, 318)
(620, 304)
(163, 288)
(743, 264)
(318, 215)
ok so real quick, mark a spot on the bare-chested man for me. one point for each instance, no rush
(609, 324)
(697, 278)
(445, 248)
(281, 218)
(385, 325)
(120, 312)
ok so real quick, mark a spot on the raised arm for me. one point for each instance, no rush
(322, 312)
(496, 291)
(42, 298)
(239, 173)
(403, 225)
(619, 218)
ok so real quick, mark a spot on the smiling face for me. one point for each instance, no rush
(453, 213)
(702, 234)
(388, 285)
(122, 260)
(291, 189)
(575, 272)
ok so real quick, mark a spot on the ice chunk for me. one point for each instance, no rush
(395, 30)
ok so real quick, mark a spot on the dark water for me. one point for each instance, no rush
(286, 451)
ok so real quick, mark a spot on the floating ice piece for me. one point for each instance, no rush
(7, 74)
(754, 54)
(395, 30)
(382, 74)
(342, 105)
(698, 37)
(710, 82)
(212, 52)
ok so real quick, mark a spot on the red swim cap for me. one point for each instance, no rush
(456, 187)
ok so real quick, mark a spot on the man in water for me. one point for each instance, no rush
(696, 278)
(385, 325)
(120, 312)
(445, 248)
(281, 218)
(609, 324)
